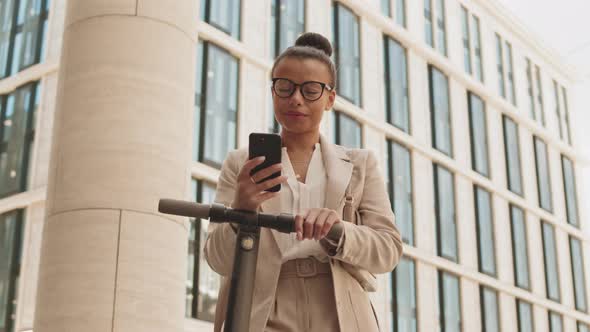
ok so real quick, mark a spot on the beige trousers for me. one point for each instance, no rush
(304, 299)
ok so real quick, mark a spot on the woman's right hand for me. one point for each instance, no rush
(250, 194)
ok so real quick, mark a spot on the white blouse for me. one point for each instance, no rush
(297, 198)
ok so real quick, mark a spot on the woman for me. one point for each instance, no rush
(305, 281)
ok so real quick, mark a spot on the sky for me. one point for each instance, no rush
(564, 26)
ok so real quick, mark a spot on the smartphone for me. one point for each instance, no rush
(269, 146)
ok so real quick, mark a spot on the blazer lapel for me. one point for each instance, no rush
(338, 170)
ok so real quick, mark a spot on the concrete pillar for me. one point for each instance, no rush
(122, 140)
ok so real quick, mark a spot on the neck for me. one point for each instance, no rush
(300, 143)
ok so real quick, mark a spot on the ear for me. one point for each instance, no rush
(331, 100)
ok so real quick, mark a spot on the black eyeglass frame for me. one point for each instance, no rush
(324, 86)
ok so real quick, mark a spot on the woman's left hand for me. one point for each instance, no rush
(316, 223)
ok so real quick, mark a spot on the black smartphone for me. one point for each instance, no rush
(269, 146)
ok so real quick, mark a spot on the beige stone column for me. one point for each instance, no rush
(122, 140)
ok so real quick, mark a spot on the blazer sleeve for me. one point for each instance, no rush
(221, 238)
(375, 243)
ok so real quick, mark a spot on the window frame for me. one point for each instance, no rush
(520, 302)
(394, 296)
(390, 144)
(544, 225)
(434, 111)
(478, 49)
(441, 298)
(389, 109)
(466, 40)
(554, 315)
(584, 309)
(198, 186)
(278, 18)
(200, 152)
(498, 318)
(507, 158)
(526, 248)
(336, 7)
(478, 230)
(500, 66)
(16, 268)
(437, 213)
(337, 118)
(18, 28)
(549, 193)
(34, 88)
(539, 97)
(206, 17)
(576, 216)
(470, 109)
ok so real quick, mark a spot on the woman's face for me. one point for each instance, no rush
(296, 114)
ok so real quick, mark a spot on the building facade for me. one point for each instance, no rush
(467, 110)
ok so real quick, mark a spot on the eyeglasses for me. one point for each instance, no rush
(310, 90)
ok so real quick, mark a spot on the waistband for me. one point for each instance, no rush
(304, 268)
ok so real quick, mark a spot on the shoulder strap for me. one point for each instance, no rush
(348, 213)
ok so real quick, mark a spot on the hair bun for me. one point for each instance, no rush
(315, 40)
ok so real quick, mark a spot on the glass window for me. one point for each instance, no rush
(399, 176)
(530, 89)
(489, 310)
(22, 34)
(449, 300)
(440, 111)
(583, 327)
(428, 26)
(479, 133)
(202, 283)
(578, 274)
(557, 108)
(500, 63)
(222, 14)
(217, 102)
(524, 312)
(566, 116)
(347, 131)
(569, 188)
(561, 112)
(11, 237)
(287, 23)
(441, 39)
(510, 74)
(17, 130)
(555, 323)
(466, 39)
(347, 53)
(478, 65)
(403, 284)
(386, 7)
(543, 177)
(400, 12)
(446, 227)
(485, 231)
(512, 155)
(519, 248)
(396, 85)
(540, 106)
(471, 42)
(550, 259)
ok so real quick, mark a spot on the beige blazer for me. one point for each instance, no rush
(374, 244)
